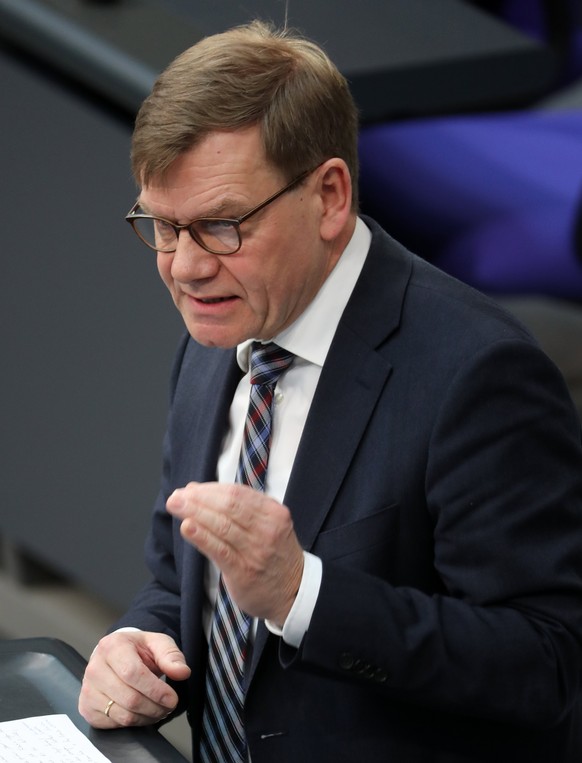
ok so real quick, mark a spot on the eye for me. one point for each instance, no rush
(215, 227)
(220, 235)
(164, 234)
(163, 228)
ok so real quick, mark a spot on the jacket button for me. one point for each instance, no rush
(380, 676)
(358, 666)
(346, 661)
(368, 671)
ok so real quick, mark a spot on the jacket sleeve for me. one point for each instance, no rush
(157, 606)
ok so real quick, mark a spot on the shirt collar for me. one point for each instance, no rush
(310, 335)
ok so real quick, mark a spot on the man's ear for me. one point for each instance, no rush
(335, 188)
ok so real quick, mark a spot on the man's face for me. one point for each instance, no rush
(283, 261)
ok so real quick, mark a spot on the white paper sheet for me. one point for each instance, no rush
(46, 738)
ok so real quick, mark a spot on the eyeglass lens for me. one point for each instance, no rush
(220, 236)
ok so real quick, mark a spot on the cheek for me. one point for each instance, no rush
(164, 263)
(296, 272)
(281, 299)
(269, 288)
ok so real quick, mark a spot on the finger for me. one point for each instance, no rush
(160, 654)
(233, 514)
(213, 519)
(172, 663)
(237, 539)
(238, 501)
(106, 713)
(138, 711)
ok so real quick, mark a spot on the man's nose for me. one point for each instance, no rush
(191, 262)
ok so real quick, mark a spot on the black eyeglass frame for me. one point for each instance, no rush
(132, 216)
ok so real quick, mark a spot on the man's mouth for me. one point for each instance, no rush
(214, 300)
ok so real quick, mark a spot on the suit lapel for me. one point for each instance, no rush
(355, 374)
(200, 408)
(344, 401)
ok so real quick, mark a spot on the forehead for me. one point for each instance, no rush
(226, 167)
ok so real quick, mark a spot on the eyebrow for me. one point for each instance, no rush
(144, 207)
(218, 210)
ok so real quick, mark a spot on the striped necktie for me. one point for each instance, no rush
(223, 739)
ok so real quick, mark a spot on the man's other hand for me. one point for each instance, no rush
(123, 684)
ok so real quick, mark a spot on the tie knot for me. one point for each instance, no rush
(268, 361)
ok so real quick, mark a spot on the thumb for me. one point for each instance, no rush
(173, 663)
(165, 657)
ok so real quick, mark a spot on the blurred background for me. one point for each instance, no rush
(471, 154)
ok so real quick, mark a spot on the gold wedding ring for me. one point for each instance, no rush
(108, 708)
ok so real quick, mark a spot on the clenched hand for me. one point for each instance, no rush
(124, 677)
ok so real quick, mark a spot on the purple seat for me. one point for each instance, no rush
(492, 199)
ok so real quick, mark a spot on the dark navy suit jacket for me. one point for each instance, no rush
(439, 478)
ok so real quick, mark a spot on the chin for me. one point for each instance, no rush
(214, 338)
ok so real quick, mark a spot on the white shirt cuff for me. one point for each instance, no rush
(297, 623)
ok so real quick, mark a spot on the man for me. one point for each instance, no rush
(412, 560)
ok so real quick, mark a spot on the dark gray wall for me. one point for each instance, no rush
(87, 333)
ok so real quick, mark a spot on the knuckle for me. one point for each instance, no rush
(131, 703)
(283, 514)
(272, 535)
(82, 705)
(128, 672)
(224, 526)
(110, 641)
(126, 717)
(91, 674)
(188, 528)
(252, 572)
(224, 555)
(231, 496)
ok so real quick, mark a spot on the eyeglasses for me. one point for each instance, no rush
(217, 235)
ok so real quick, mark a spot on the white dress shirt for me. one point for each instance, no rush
(309, 339)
